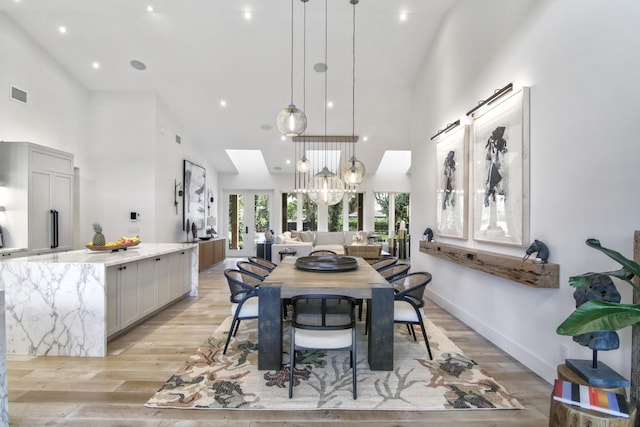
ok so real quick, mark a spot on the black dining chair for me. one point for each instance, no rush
(408, 304)
(323, 322)
(322, 252)
(255, 269)
(262, 262)
(384, 263)
(394, 271)
(244, 299)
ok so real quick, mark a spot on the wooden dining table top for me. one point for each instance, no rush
(355, 283)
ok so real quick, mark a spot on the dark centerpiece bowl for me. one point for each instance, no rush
(204, 237)
(328, 264)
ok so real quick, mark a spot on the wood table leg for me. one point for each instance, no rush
(269, 327)
(380, 350)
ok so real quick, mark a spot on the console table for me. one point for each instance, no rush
(211, 252)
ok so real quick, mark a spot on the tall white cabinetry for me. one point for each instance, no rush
(39, 206)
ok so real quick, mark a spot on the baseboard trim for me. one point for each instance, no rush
(506, 344)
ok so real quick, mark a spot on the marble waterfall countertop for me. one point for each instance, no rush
(108, 258)
(57, 304)
(4, 251)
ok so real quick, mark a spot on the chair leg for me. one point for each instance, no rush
(354, 366)
(424, 334)
(413, 332)
(237, 327)
(233, 326)
(367, 320)
(292, 362)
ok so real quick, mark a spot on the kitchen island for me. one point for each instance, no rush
(70, 303)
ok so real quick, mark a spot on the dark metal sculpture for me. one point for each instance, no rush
(541, 250)
(428, 234)
(600, 288)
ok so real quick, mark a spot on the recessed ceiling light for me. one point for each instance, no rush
(365, 138)
(284, 138)
(223, 103)
(330, 104)
(265, 127)
(320, 67)
(138, 65)
(62, 29)
(278, 168)
(96, 65)
(149, 8)
(288, 161)
(403, 17)
(247, 15)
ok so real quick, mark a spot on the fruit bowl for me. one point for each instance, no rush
(112, 247)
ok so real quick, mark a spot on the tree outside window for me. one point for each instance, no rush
(309, 213)
(335, 217)
(383, 217)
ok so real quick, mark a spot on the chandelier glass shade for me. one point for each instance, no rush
(303, 165)
(325, 188)
(353, 171)
(291, 121)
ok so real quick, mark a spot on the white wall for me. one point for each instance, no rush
(578, 58)
(56, 113)
(123, 142)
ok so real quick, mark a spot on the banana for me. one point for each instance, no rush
(135, 238)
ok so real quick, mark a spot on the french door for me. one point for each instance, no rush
(248, 217)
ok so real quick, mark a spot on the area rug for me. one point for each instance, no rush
(322, 380)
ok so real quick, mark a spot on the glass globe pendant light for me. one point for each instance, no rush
(353, 171)
(291, 121)
(303, 165)
(325, 188)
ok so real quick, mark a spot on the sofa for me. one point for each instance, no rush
(304, 242)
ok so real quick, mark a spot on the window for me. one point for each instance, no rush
(391, 209)
(356, 211)
(309, 213)
(290, 211)
(335, 216)
(381, 216)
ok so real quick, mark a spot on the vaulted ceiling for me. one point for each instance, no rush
(199, 53)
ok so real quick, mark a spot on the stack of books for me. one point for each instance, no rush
(596, 399)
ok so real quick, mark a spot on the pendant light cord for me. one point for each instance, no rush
(326, 71)
(291, 79)
(353, 86)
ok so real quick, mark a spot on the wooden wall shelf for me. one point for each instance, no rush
(508, 267)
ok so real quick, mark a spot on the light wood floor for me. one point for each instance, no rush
(111, 391)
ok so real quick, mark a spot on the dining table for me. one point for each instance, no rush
(362, 282)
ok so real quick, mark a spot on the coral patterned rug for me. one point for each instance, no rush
(211, 380)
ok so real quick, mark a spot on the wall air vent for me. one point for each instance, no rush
(178, 139)
(18, 95)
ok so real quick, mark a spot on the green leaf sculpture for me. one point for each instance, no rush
(599, 315)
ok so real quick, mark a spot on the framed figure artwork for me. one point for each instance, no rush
(501, 171)
(195, 195)
(452, 183)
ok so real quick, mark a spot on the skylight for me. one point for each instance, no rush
(248, 161)
(395, 161)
